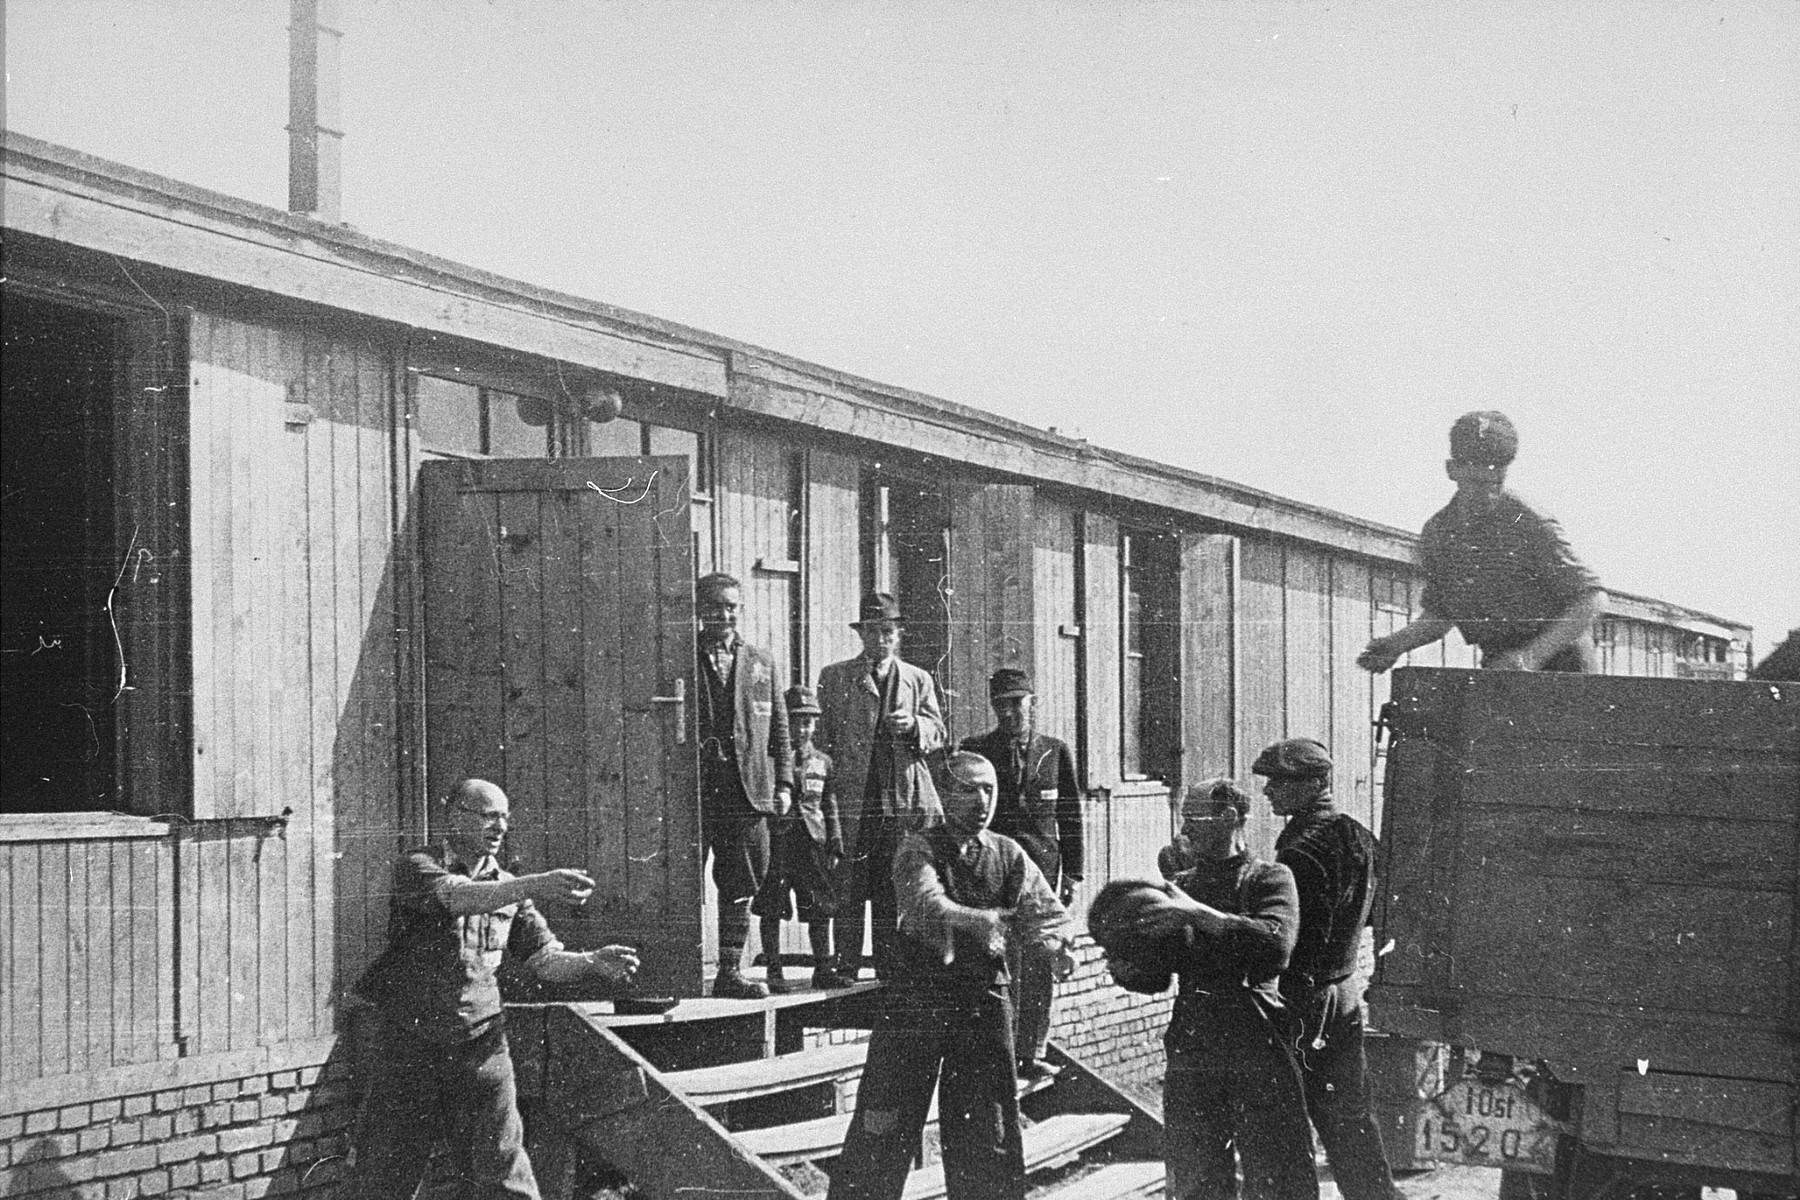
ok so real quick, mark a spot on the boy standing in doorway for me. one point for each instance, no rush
(809, 843)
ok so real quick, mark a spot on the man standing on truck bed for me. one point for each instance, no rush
(1496, 570)
(1332, 858)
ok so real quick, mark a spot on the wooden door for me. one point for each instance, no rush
(559, 655)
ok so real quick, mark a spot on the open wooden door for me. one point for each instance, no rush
(559, 651)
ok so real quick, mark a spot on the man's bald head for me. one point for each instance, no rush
(474, 793)
(477, 815)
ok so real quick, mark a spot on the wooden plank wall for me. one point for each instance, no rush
(1306, 644)
(832, 574)
(1352, 688)
(1209, 564)
(1100, 638)
(294, 679)
(84, 982)
(992, 606)
(1262, 655)
(151, 605)
(1303, 616)
(1056, 644)
(755, 473)
(242, 928)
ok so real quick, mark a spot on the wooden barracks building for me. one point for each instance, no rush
(300, 526)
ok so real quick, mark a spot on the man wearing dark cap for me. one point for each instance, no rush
(1496, 570)
(1039, 807)
(1332, 858)
(746, 769)
(880, 719)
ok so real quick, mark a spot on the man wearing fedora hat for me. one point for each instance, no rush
(880, 720)
(1039, 807)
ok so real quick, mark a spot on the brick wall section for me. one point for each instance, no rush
(283, 1134)
(1116, 1032)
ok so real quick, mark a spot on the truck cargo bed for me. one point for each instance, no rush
(1600, 872)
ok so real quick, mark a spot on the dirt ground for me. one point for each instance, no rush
(1443, 1183)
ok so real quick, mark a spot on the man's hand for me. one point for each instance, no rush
(834, 852)
(617, 965)
(1123, 972)
(784, 801)
(1181, 913)
(900, 722)
(1065, 892)
(1063, 964)
(1377, 656)
(564, 883)
(988, 926)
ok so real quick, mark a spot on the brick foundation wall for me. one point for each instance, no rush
(283, 1133)
(1116, 1032)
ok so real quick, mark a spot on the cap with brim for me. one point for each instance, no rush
(1008, 682)
(1294, 758)
(1486, 438)
(802, 702)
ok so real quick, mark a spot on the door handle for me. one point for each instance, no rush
(679, 700)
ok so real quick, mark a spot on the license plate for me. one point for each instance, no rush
(1487, 1125)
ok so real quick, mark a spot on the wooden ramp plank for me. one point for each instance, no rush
(602, 1093)
(762, 1077)
(1049, 1143)
(1117, 1181)
(801, 1141)
(823, 1137)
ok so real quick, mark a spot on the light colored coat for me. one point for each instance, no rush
(849, 725)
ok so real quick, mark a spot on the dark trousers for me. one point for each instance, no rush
(1226, 1105)
(1033, 970)
(1336, 1077)
(871, 875)
(461, 1094)
(960, 1045)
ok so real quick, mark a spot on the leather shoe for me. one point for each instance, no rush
(730, 985)
(826, 976)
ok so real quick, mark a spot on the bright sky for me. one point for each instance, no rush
(1283, 243)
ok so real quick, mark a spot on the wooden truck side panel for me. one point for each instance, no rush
(1600, 872)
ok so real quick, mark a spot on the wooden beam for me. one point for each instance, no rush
(313, 268)
(943, 432)
(616, 1104)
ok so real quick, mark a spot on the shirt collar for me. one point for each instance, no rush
(965, 847)
(475, 868)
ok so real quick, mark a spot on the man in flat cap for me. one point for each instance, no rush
(1496, 570)
(1039, 807)
(880, 720)
(1332, 857)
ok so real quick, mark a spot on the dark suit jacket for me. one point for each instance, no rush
(1039, 805)
(759, 726)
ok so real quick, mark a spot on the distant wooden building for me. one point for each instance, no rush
(299, 526)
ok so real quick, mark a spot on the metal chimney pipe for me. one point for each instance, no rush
(315, 121)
